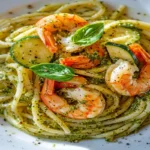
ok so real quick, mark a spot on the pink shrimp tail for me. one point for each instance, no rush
(140, 53)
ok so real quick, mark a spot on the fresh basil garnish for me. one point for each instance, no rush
(88, 34)
(53, 71)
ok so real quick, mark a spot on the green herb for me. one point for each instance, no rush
(88, 34)
(53, 71)
(94, 56)
(83, 102)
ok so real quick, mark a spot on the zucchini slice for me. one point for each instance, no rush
(30, 51)
(122, 35)
(130, 26)
(119, 51)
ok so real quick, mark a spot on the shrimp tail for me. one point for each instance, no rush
(50, 42)
(75, 82)
(140, 53)
(48, 87)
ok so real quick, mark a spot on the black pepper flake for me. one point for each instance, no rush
(10, 12)
(127, 143)
(147, 143)
(29, 6)
(119, 142)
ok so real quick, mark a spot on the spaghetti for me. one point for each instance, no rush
(20, 88)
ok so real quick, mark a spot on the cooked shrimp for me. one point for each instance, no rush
(49, 26)
(50, 29)
(90, 103)
(76, 81)
(91, 58)
(119, 76)
(140, 53)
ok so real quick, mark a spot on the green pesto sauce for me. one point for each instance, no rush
(96, 80)
(1, 111)
(94, 56)
(106, 61)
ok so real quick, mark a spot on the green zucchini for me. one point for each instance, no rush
(129, 26)
(119, 51)
(29, 51)
(122, 35)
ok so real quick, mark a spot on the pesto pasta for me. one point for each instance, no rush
(74, 71)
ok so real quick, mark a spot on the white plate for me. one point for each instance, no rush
(13, 139)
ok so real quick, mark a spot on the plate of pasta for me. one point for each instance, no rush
(75, 75)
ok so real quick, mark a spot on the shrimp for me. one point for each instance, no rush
(49, 26)
(119, 76)
(90, 103)
(89, 59)
(76, 81)
(50, 29)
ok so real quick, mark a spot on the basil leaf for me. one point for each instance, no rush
(53, 71)
(88, 34)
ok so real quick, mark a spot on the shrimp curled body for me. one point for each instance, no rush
(119, 76)
(51, 31)
(90, 103)
(50, 25)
